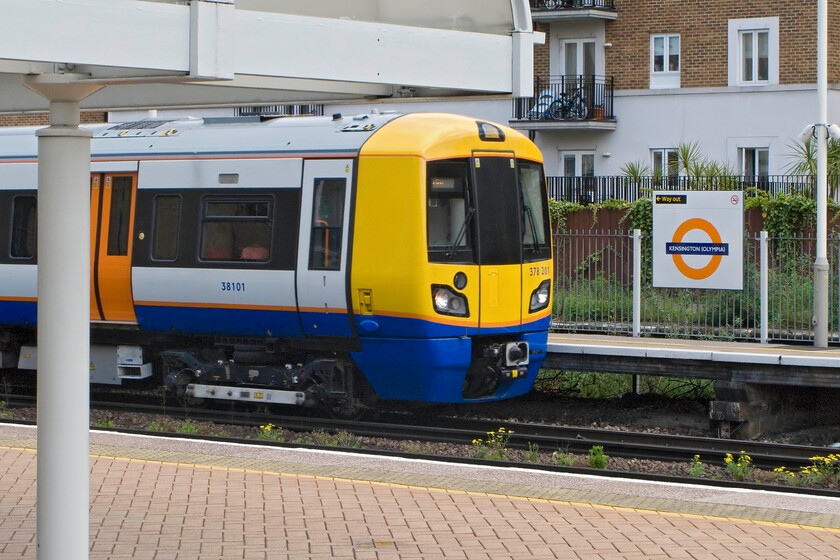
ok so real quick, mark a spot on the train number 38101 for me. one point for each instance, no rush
(233, 286)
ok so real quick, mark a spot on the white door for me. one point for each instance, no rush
(322, 250)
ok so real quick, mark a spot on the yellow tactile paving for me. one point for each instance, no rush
(193, 506)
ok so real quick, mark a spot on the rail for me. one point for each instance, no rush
(551, 5)
(595, 190)
(596, 94)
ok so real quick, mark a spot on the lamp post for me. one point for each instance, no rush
(821, 132)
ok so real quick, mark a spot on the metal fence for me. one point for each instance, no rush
(595, 190)
(550, 5)
(553, 98)
(594, 291)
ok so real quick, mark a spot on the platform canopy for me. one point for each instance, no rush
(264, 51)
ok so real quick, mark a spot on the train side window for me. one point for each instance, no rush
(24, 227)
(535, 222)
(327, 224)
(120, 220)
(166, 227)
(236, 230)
(449, 212)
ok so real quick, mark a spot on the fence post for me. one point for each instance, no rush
(637, 282)
(764, 303)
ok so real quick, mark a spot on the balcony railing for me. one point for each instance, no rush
(567, 98)
(595, 190)
(552, 5)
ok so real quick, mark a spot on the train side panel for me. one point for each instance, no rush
(214, 257)
(18, 290)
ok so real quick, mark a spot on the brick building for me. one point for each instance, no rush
(736, 78)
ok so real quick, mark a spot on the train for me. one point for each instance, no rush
(321, 261)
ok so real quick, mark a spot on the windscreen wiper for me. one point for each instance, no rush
(535, 246)
(451, 252)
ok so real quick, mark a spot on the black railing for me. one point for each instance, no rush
(567, 98)
(595, 190)
(551, 5)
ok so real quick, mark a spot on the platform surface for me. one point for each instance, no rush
(164, 498)
(680, 348)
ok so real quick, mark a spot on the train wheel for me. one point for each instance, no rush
(179, 389)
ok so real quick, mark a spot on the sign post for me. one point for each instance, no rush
(698, 239)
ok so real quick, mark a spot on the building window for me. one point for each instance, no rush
(664, 61)
(664, 162)
(579, 176)
(754, 162)
(754, 51)
(754, 56)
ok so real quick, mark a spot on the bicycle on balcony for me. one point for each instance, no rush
(563, 106)
(555, 4)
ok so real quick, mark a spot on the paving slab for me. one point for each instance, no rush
(171, 498)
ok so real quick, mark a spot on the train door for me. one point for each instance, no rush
(499, 236)
(322, 250)
(112, 198)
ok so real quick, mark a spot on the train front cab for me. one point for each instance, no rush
(451, 279)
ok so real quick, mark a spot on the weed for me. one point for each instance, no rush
(697, 468)
(597, 459)
(346, 439)
(187, 427)
(785, 476)
(105, 423)
(4, 410)
(495, 447)
(155, 427)
(822, 470)
(270, 432)
(417, 448)
(740, 468)
(533, 453)
(563, 458)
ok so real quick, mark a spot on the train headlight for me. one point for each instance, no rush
(449, 302)
(540, 296)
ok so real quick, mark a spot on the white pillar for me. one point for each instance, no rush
(637, 282)
(764, 276)
(63, 472)
(821, 132)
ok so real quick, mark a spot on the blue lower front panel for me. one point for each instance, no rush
(21, 313)
(242, 322)
(433, 370)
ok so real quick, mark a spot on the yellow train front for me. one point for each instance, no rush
(451, 260)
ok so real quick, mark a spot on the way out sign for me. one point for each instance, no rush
(698, 239)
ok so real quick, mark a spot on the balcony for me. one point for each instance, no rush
(567, 102)
(564, 10)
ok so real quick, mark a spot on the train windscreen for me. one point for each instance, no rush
(471, 217)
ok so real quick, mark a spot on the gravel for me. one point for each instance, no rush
(640, 414)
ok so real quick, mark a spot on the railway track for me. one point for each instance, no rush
(460, 431)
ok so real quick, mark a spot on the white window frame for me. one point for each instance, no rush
(663, 170)
(742, 161)
(737, 27)
(665, 78)
(578, 156)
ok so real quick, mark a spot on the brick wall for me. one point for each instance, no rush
(542, 53)
(702, 25)
(39, 119)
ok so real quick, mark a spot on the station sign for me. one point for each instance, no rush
(698, 239)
